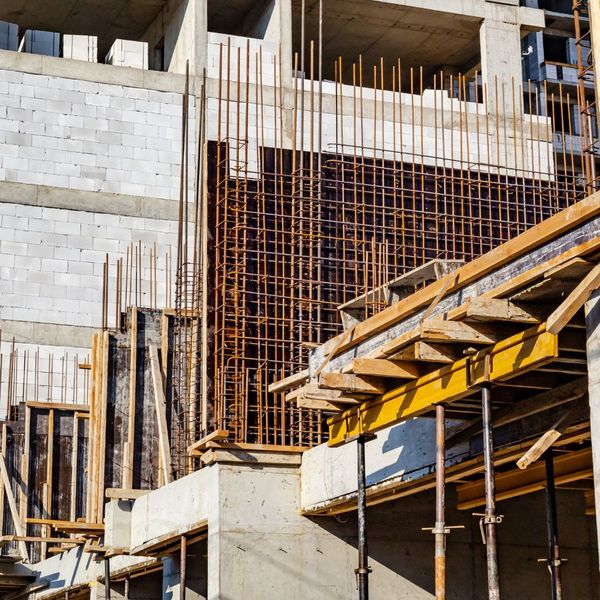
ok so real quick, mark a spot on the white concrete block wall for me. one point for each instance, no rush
(44, 373)
(82, 135)
(439, 141)
(51, 261)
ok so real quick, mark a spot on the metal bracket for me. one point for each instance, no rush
(362, 571)
(484, 520)
(555, 562)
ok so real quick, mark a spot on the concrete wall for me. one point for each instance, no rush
(52, 260)
(64, 132)
(401, 453)
(180, 30)
(259, 546)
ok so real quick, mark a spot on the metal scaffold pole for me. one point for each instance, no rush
(440, 531)
(554, 560)
(363, 570)
(490, 520)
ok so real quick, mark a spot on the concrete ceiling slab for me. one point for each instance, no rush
(107, 19)
(418, 37)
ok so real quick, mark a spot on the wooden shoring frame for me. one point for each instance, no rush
(509, 358)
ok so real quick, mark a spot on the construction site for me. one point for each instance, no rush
(299, 299)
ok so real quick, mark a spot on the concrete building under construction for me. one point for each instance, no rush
(299, 299)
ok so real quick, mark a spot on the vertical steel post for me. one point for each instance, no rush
(362, 573)
(183, 568)
(107, 578)
(440, 503)
(554, 561)
(490, 520)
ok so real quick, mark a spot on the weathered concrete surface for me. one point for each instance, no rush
(173, 509)
(260, 546)
(400, 453)
(76, 568)
(592, 322)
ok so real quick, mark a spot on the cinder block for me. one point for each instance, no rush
(80, 47)
(56, 266)
(126, 53)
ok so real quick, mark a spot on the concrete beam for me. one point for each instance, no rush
(47, 334)
(501, 67)
(96, 72)
(96, 202)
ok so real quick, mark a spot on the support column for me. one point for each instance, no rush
(362, 573)
(592, 324)
(440, 503)
(500, 44)
(490, 520)
(554, 561)
(279, 31)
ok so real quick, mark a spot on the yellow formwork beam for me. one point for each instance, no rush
(505, 360)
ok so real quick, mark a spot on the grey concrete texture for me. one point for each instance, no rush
(96, 202)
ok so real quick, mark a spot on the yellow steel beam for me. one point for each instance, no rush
(569, 467)
(508, 358)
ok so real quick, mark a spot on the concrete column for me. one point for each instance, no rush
(501, 63)
(592, 323)
(184, 26)
(279, 31)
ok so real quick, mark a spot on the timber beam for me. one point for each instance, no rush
(501, 362)
(569, 467)
(378, 367)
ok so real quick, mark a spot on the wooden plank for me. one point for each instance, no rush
(324, 405)
(349, 383)
(25, 457)
(68, 526)
(91, 437)
(437, 330)
(18, 524)
(525, 408)
(129, 451)
(103, 406)
(49, 476)
(74, 457)
(289, 382)
(569, 467)
(124, 494)
(574, 301)
(378, 367)
(535, 237)
(4, 444)
(541, 445)
(313, 392)
(161, 413)
(425, 352)
(509, 358)
(497, 309)
(216, 436)
(5, 539)
(58, 406)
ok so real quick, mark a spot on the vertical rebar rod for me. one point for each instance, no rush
(362, 573)
(440, 503)
(554, 561)
(490, 494)
(183, 568)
